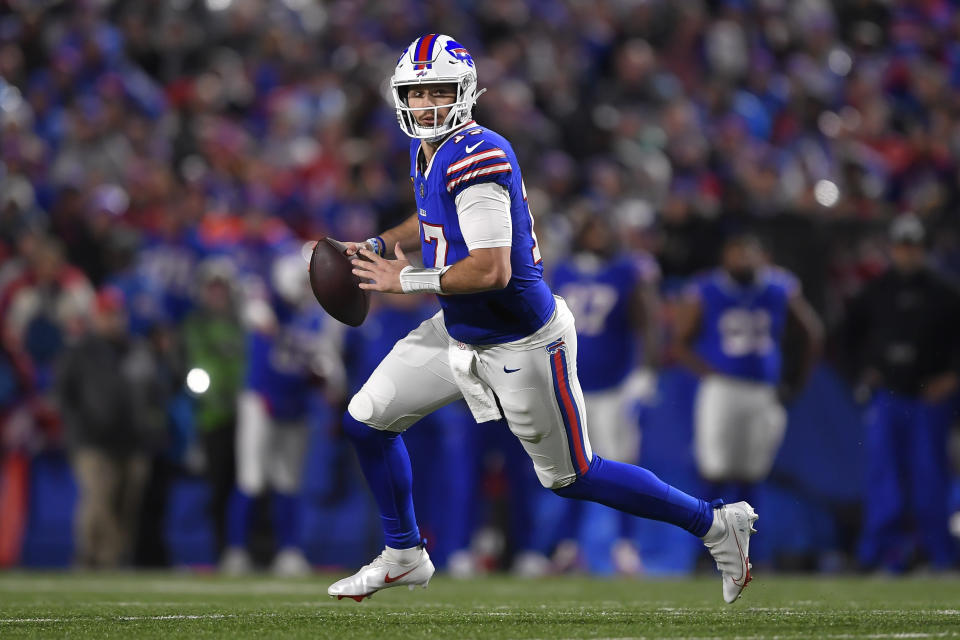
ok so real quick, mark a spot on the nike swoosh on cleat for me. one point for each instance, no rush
(388, 579)
(470, 149)
(505, 370)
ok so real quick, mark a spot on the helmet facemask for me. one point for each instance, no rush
(460, 109)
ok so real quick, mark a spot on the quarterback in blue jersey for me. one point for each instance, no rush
(502, 340)
(729, 331)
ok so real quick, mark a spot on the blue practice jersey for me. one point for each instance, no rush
(599, 295)
(742, 326)
(280, 363)
(469, 156)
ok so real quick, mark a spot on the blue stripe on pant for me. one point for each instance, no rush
(907, 482)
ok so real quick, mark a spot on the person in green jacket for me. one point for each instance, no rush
(214, 342)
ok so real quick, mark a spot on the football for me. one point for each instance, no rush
(335, 286)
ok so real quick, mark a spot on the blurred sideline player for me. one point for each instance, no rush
(729, 331)
(614, 297)
(502, 341)
(290, 351)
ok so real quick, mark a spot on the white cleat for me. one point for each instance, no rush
(290, 563)
(732, 550)
(383, 574)
(236, 562)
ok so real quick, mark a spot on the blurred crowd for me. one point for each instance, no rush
(157, 157)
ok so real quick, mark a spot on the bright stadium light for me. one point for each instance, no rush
(218, 5)
(826, 193)
(198, 381)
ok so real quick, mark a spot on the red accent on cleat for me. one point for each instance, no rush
(749, 577)
(357, 598)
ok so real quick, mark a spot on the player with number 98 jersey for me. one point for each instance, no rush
(742, 327)
(730, 328)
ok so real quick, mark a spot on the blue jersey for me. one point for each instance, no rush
(742, 326)
(473, 155)
(168, 266)
(279, 363)
(599, 294)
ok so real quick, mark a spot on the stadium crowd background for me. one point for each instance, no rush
(141, 140)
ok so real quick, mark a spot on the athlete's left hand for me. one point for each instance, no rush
(381, 274)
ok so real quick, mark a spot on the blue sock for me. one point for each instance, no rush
(639, 492)
(239, 513)
(386, 466)
(285, 520)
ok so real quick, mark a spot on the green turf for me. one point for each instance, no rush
(181, 605)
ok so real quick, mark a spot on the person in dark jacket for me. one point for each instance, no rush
(113, 416)
(902, 333)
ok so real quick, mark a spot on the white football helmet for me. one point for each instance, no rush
(435, 59)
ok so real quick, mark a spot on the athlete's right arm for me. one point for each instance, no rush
(407, 233)
(687, 326)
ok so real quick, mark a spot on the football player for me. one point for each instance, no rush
(729, 330)
(502, 340)
(291, 347)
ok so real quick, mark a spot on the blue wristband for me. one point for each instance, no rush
(377, 245)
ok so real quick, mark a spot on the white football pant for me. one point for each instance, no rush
(270, 453)
(738, 427)
(534, 379)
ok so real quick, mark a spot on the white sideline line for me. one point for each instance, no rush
(203, 616)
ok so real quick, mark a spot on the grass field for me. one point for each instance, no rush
(179, 605)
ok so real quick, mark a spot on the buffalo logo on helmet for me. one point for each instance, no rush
(459, 53)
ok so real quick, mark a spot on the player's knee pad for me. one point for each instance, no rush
(372, 404)
(376, 405)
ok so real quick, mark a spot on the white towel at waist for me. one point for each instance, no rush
(478, 394)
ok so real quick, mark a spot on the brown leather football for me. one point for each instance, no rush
(334, 284)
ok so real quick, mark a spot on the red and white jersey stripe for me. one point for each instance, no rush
(470, 175)
(475, 158)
